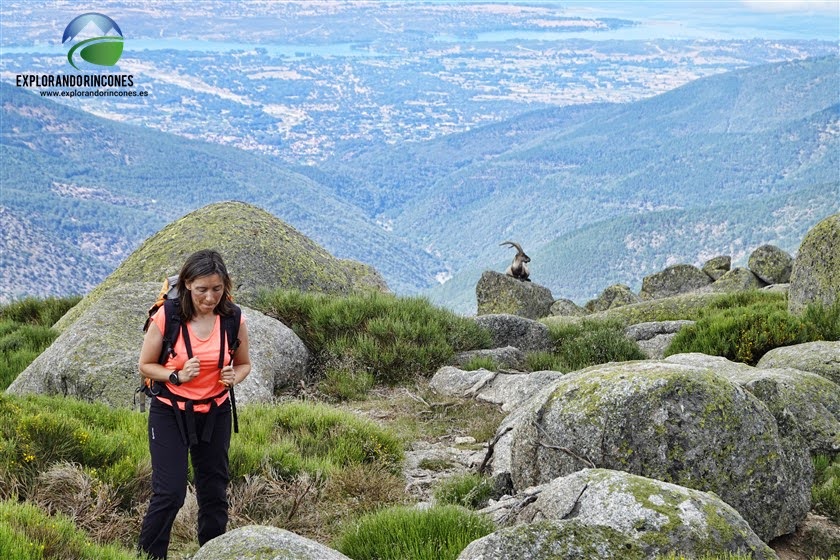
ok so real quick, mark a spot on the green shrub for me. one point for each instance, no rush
(470, 490)
(745, 333)
(590, 342)
(26, 331)
(296, 437)
(481, 362)
(825, 493)
(545, 361)
(34, 311)
(346, 384)
(439, 533)
(393, 339)
(28, 533)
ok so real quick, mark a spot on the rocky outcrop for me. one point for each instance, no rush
(681, 424)
(614, 296)
(260, 252)
(567, 308)
(519, 332)
(771, 264)
(820, 357)
(816, 272)
(805, 405)
(509, 391)
(717, 266)
(674, 280)
(259, 541)
(605, 514)
(499, 293)
(96, 358)
(654, 337)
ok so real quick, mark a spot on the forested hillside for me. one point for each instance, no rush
(580, 264)
(746, 135)
(80, 193)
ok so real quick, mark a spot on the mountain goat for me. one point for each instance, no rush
(518, 268)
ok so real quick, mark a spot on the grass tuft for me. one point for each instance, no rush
(438, 533)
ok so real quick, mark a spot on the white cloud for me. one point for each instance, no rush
(824, 6)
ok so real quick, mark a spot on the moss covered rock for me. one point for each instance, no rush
(598, 513)
(613, 296)
(260, 251)
(680, 424)
(816, 271)
(821, 357)
(717, 266)
(258, 542)
(805, 405)
(674, 280)
(95, 359)
(736, 280)
(499, 293)
(771, 264)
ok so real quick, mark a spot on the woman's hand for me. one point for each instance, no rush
(228, 376)
(190, 370)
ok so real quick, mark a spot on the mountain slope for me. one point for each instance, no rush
(580, 264)
(758, 132)
(97, 188)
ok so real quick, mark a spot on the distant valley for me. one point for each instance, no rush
(598, 193)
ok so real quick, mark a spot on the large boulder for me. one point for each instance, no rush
(605, 514)
(674, 280)
(816, 272)
(95, 359)
(613, 296)
(511, 330)
(259, 249)
(507, 390)
(821, 357)
(499, 293)
(566, 307)
(805, 405)
(771, 264)
(717, 266)
(736, 280)
(676, 423)
(269, 543)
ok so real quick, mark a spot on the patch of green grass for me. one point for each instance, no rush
(470, 490)
(727, 556)
(26, 331)
(394, 339)
(591, 342)
(438, 533)
(744, 333)
(345, 384)
(825, 493)
(290, 438)
(481, 362)
(545, 361)
(28, 533)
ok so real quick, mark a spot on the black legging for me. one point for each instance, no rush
(169, 477)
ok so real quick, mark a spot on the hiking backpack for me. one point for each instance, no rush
(168, 298)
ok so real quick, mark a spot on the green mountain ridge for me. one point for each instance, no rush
(95, 189)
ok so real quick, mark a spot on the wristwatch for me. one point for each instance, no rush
(173, 377)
